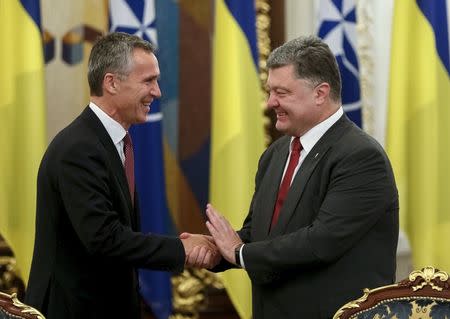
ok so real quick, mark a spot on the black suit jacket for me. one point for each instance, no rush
(88, 244)
(337, 231)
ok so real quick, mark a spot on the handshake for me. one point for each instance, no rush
(207, 251)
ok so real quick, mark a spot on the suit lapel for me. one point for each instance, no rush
(303, 176)
(114, 157)
(298, 185)
(269, 188)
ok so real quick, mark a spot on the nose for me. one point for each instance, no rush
(272, 101)
(155, 91)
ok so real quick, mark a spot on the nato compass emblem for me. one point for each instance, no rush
(337, 27)
(134, 17)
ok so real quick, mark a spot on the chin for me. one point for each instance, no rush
(141, 119)
(281, 128)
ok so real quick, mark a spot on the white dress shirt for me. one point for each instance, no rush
(114, 129)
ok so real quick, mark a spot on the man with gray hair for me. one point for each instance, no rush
(88, 245)
(323, 222)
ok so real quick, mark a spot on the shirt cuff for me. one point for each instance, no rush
(241, 257)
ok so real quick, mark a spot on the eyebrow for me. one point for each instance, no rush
(150, 78)
(276, 87)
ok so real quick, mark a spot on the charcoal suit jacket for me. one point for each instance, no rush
(88, 245)
(337, 231)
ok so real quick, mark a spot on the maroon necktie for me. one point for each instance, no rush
(129, 163)
(286, 183)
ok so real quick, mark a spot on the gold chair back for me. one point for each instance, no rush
(425, 295)
(11, 307)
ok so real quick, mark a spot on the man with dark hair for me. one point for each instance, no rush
(323, 222)
(88, 245)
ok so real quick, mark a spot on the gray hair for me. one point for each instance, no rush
(313, 61)
(113, 54)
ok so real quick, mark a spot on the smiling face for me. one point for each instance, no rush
(136, 91)
(295, 101)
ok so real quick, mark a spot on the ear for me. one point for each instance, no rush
(322, 92)
(110, 83)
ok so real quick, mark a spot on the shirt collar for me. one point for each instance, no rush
(114, 129)
(310, 138)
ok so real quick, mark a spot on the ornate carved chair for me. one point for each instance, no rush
(425, 294)
(12, 308)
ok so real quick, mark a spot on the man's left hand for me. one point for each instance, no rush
(224, 235)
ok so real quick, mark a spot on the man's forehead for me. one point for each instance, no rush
(281, 73)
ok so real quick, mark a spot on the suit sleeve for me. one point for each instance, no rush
(359, 193)
(87, 189)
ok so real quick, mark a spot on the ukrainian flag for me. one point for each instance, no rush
(418, 139)
(237, 137)
(22, 119)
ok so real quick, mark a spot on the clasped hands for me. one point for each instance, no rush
(206, 251)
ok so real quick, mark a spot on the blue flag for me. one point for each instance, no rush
(139, 18)
(337, 27)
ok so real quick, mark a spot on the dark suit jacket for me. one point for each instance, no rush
(88, 244)
(337, 232)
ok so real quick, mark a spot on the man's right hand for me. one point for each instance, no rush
(201, 251)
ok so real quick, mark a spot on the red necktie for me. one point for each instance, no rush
(129, 163)
(286, 183)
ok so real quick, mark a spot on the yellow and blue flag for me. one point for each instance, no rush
(237, 133)
(337, 27)
(418, 137)
(22, 119)
(139, 18)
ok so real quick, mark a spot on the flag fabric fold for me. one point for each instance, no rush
(22, 118)
(139, 18)
(418, 137)
(237, 133)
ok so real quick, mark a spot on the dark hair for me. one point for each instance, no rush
(113, 53)
(313, 61)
